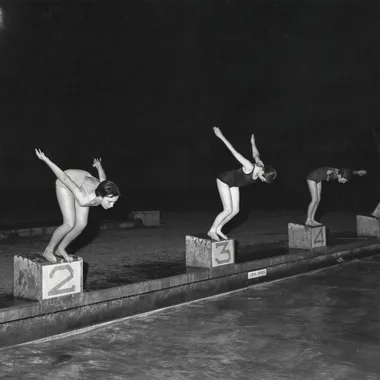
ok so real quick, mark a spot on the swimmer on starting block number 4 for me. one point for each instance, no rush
(76, 190)
(229, 182)
(314, 180)
(376, 211)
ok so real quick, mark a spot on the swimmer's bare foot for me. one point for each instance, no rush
(312, 223)
(65, 255)
(375, 215)
(49, 256)
(213, 235)
(222, 235)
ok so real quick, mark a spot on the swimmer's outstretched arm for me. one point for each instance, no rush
(247, 165)
(360, 172)
(255, 152)
(63, 177)
(98, 165)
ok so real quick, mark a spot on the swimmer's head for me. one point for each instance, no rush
(344, 175)
(108, 192)
(268, 174)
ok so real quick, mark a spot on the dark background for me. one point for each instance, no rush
(142, 83)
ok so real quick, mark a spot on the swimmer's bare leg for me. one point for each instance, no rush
(235, 199)
(81, 217)
(225, 197)
(315, 193)
(222, 235)
(376, 211)
(66, 203)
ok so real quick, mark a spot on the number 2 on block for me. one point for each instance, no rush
(57, 289)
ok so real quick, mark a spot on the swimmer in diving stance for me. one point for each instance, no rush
(229, 183)
(76, 191)
(314, 180)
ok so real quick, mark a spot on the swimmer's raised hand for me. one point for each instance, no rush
(97, 163)
(41, 155)
(218, 132)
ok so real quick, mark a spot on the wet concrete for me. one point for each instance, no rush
(115, 275)
(110, 259)
(260, 251)
(323, 325)
(129, 274)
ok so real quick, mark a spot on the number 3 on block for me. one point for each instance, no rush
(223, 253)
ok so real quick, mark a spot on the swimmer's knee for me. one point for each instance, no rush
(233, 213)
(228, 213)
(68, 225)
(228, 210)
(79, 227)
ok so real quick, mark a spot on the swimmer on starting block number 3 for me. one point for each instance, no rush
(229, 182)
(76, 190)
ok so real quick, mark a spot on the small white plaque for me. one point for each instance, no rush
(257, 273)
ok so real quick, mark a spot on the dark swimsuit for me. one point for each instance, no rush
(320, 174)
(237, 178)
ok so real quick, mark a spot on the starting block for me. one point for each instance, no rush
(306, 237)
(208, 253)
(34, 278)
(367, 226)
(148, 218)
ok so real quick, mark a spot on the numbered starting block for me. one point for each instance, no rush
(208, 253)
(37, 279)
(367, 226)
(306, 237)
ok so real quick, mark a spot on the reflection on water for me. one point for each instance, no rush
(321, 326)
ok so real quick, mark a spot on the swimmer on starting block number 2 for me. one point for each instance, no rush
(230, 181)
(76, 190)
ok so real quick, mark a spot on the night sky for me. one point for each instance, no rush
(142, 83)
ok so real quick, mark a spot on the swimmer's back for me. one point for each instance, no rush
(81, 178)
(320, 174)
